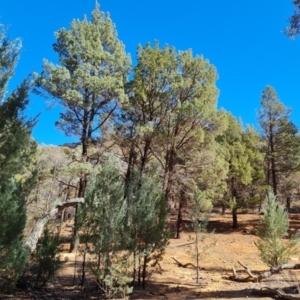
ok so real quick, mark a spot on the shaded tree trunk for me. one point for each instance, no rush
(179, 219)
(234, 218)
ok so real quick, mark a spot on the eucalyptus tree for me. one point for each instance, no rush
(16, 164)
(282, 148)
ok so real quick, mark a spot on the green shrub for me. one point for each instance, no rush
(45, 262)
(273, 227)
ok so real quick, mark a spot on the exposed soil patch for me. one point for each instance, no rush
(178, 283)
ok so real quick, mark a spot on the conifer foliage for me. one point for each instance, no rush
(146, 223)
(101, 223)
(273, 227)
(122, 234)
(16, 151)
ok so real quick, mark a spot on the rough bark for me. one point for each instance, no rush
(235, 224)
(38, 229)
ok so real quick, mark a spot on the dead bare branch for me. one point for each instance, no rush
(261, 276)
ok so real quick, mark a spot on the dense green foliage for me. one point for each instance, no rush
(101, 223)
(146, 223)
(281, 141)
(110, 223)
(273, 228)
(45, 262)
(245, 170)
(89, 82)
(16, 165)
(151, 141)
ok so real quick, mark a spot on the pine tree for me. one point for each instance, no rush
(88, 83)
(16, 174)
(245, 165)
(146, 223)
(89, 80)
(273, 227)
(101, 223)
(282, 147)
(171, 115)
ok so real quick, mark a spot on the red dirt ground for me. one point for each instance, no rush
(178, 283)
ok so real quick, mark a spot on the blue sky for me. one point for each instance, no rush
(242, 38)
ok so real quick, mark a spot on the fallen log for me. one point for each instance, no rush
(38, 229)
(263, 275)
(266, 291)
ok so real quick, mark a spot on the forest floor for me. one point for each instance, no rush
(178, 283)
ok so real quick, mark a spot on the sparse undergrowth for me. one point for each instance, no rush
(175, 282)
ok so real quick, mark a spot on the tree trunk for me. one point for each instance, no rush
(273, 165)
(179, 221)
(234, 219)
(81, 191)
(38, 229)
(197, 259)
(85, 139)
(144, 271)
(83, 267)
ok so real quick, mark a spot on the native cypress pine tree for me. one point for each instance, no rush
(146, 222)
(16, 150)
(273, 227)
(88, 82)
(244, 160)
(101, 223)
(281, 140)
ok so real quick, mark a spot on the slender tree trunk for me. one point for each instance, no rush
(179, 220)
(82, 187)
(145, 156)
(273, 164)
(144, 271)
(139, 271)
(234, 218)
(169, 167)
(98, 269)
(134, 267)
(234, 209)
(197, 259)
(83, 267)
